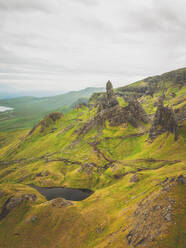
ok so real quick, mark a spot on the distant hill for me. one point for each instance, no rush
(170, 81)
(29, 110)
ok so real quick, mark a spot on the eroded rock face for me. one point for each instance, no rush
(88, 168)
(181, 113)
(164, 120)
(109, 99)
(1, 193)
(61, 202)
(46, 122)
(135, 113)
(15, 201)
(109, 109)
(134, 178)
(153, 215)
(181, 179)
(42, 174)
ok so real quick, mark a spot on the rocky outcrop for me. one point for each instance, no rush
(164, 121)
(109, 99)
(15, 201)
(135, 113)
(46, 122)
(109, 109)
(153, 214)
(61, 202)
(42, 174)
(181, 113)
(181, 179)
(134, 178)
(88, 168)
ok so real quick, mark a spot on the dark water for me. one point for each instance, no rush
(66, 193)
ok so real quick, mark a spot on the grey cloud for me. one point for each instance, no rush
(83, 42)
(86, 2)
(22, 5)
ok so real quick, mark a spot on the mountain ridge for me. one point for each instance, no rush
(29, 110)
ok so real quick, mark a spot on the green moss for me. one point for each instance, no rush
(122, 102)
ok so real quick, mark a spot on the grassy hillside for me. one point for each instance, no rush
(29, 110)
(138, 183)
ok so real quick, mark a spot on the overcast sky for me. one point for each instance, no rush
(61, 45)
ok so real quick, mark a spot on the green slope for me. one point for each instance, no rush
(29, 110)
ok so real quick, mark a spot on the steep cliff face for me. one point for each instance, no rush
(164, 120)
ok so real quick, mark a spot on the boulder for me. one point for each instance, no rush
(61, 202)
(42, 174)
(181, 179)
(109, 109)
(134, 178)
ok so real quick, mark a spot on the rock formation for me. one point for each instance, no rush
(15, 201)
(164, 120)
(60, 202)
(109, 99)
(152, 215)
(109, 109)
(181, 113)
(46, 122)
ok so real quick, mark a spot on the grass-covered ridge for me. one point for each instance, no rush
(29, 110)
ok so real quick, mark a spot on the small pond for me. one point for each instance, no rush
(3, 108)
(66, 193)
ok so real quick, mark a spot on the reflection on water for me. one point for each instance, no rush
(66, 193)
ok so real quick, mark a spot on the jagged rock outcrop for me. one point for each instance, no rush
(181, 113)
(154, 214)
(61, 202)
(136, 113)
(135, 178)
(15, 201)
(151, 217)
(88, 168)
(164, 120)
(109, 109)
(109, 99)
(46, 122)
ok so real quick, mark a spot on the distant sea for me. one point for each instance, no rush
(3, 108)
